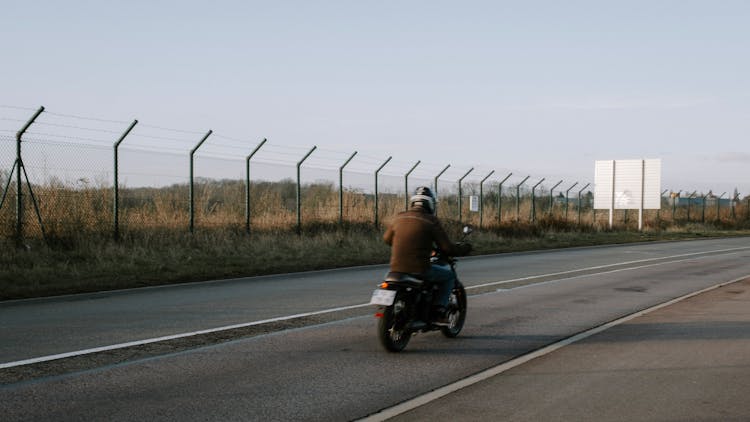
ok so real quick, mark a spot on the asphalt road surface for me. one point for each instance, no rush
(304, 347)
(688, 361)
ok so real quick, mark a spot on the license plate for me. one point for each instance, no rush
(383, 297)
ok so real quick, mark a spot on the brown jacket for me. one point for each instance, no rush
(411, 235)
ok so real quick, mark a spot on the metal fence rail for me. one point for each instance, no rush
(93, 176)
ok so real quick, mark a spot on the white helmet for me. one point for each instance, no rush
(424, 198)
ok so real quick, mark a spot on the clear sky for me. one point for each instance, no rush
(531, 87)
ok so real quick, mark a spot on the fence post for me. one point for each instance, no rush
(299, 190)
(376, 189)
(341, 188)
(20, 169)
(703, 208)
(436, 186)
(116, 201)
(551, 203)
(481, 197)
(658, 212)
(718, 207)
(192, 187)
(247, 184)
(460, 193)
(690, 202)
(734, 200)
(406, 185)
(579, 202)
(567, 199)
(533, 200)
(500, 199)
(518, 198)
(674, 203)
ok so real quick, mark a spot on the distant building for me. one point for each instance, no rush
(675, 199)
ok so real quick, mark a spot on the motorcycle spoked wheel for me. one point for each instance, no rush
(456, 312)
(392, 330)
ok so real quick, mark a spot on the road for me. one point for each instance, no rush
(687, 361)
(328, 366)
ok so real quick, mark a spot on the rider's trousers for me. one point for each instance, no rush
(444, 278)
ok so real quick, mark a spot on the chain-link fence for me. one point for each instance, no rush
(89, 176)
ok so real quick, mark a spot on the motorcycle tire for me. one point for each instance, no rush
(456, 312)
(392, 327)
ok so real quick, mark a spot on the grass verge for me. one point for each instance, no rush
(89, 264)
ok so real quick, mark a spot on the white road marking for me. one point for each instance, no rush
(557, 280)
(325, 311)
(416, 402)
(172, 337)
(598, 267)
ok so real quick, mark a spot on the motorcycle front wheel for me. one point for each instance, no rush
(456, 312)
(392, 327)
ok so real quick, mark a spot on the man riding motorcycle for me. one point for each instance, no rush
(412, 236)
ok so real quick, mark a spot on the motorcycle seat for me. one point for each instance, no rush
(395, 277)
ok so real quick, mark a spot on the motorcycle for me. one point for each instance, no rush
(405, 305)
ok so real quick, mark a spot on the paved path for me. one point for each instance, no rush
(689, 361)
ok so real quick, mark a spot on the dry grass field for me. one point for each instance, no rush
(68, 211)
(79, 254)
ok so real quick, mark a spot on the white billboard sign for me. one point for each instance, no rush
(627, 185)
(474, 203)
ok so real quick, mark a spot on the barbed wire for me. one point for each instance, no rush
(331, 160)
(77, 127)
(276, 158)
(64, 169)
(161, 138)
(343, 154)
(272, 153)
(292, 152)
(242, 151)
(18, 107)
(9, 119)
(94, 119)
(374, 159)
(133, 173)
(160, 149)
(249, 142)
(190, 132)
(39, 141)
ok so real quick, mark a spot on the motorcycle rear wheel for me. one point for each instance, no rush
(456, 312)
(392, 327)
